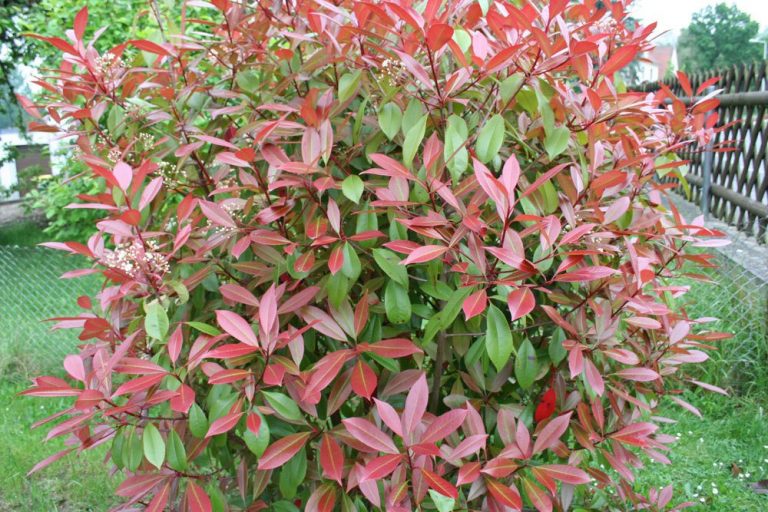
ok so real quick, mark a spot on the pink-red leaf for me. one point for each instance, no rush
(279, 452)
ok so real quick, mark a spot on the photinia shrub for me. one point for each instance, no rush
(377, 256)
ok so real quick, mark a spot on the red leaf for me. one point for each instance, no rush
(381, 467)
(336, 259)
(424, 254)
(594, 378)
(507, 496)
(322, 322)
(415, 406)
(444, 425)
(216, 214)
(586, 274)
(392, 348)
(521, 302)
(475, 304)
(538, 496)
(331, 458)
(551, 433)
(223, 424)
(237, 293)
(325, 370)
(237, 327)
(363, 380)
(638, 374)
(438, 35)
(197, 499)
(183, 400)
(149, 46)
(619, 59)
(279, 452)
(468, 473)
(160, 500)
(439, 484)
(546, 407)
(370, 435)
(139, 485)
(73, 364)
(140, 384)
(81, 21)
(564, 473)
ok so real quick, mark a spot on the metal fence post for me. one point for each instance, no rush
(706, 178)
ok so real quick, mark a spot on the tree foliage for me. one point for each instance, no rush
(371, 256)
(718, 37)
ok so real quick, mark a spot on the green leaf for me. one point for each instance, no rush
(348, 85)
(283, 405)
(389, 262)
(498, 339)
(456, 134)
(156, 321)
(413, 140)
(337, 287)
(204, 328)
(442, 503)
(154, 446)
(462, 38)
(352, 187)
(526, 365)
(510, 86)
(257, 443)
(181, 291)
(133, 452)
(292, 474)
(198, 423)
(248, 80)
(397, 304)
(413, 113)
(557, 141)
(390, 119)
(175, 453)
(555, 347)
(490, 139)
(351, 267)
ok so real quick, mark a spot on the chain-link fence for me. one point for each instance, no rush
(30, 293)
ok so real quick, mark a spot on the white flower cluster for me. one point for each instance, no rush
(109, 65)
(391, 69)
(132, 257)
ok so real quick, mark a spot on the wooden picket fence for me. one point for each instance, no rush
(735, 185)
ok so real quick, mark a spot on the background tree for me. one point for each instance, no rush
(718, 36)
(124, 18)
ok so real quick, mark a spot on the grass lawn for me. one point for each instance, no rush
(71, 484)
(22, 233)
(717, 456)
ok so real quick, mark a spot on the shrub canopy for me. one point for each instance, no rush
(377, 256)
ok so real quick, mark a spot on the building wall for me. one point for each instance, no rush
(12, 137)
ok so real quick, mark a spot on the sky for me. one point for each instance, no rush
(675, 15)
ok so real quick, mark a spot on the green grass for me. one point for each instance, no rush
(72, 484)
(716, 457)
(23, 233)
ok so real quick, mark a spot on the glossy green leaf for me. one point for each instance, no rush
(257, 443)
(389, 262)
(353, 187)
(390, 120)
(557, 141)
(348, 84)
(156, 322)
(498, 338)
(526, 365)
(133, 451)
(490, 139)
(198, 423)
(283, 405)
(397, 304)
(292, 474)
(154, 446)
(455, 152)
(413, 139)
(175, 453)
